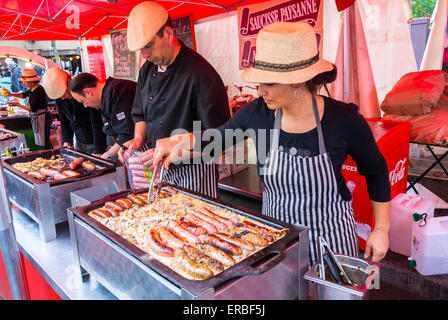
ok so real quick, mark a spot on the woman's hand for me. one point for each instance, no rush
(175, 149)
(378, 244)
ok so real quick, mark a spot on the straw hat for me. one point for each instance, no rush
(54, 82)
(286, 53)
(29, 75)
(143, 23)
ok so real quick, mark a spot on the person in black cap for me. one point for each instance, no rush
(86, 125)
(115, 98)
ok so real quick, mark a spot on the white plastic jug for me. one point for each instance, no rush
(402, 208)
(430, 246)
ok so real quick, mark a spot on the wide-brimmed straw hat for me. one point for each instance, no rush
(144, 21)
(286, 53)
(29, 75)
(54, 82)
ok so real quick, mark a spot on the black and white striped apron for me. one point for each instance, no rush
(303, 190)
(200, 178)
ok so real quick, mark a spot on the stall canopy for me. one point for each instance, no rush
(73, 19)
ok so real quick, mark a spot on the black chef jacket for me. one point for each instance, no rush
(37, 98)
(190, 89)
(116, 106)
(86, 123)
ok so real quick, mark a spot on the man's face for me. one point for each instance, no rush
(90, 98)
(157, 50)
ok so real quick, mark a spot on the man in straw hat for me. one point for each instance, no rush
(86, 125)
(37, 106)
(114, 98)
(312, 135)
(176, 86)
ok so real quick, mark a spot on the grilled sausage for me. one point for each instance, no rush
(196, 220)
(143, 197)
(125, 203)
(229, 223)
(49, 172)
(190, 226)
(157, 246)
(186, 264)
(198, 256)
(114, 205)
(255, 239)
(70, 173)
(88, 165)
(169, 239)
(268, 235)
(217, 224)
(101, 213)
(228, 247)
(37, 175)
(59, 176)
(112, 212)
(177, 230)
(75, 163)
(136, 200)
(217, 254)
(237, 241)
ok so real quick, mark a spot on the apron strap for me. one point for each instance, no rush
(320, 135)
(277, 123)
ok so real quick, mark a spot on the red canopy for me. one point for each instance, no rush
(54, 19)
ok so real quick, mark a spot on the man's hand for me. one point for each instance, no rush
(132, 145)
(67, 144)
(105, 155)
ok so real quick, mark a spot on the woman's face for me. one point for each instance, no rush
(276, 95)
(28, 84)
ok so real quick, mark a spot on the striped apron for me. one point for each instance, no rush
(303, 190)
(200, 178)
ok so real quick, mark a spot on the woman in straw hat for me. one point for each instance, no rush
(311, 137)
(37, 107)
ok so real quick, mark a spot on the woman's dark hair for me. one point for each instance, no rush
(322, 79)
(82, 81)
(168, 23)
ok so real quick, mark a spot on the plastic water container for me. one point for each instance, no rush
(403, 206)
(430, 246)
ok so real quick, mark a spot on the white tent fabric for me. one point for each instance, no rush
(433, 56)
(388, 41)
(355, 82)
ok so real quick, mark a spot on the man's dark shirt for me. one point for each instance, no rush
(116, 106)
(86, 123)
(190, 89)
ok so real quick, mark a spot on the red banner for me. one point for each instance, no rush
(96, 58)
(251, 19)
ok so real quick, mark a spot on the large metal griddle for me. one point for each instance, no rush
(284, 251)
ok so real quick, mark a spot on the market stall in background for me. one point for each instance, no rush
(52, 235)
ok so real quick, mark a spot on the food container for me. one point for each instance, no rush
(274, 272)
(363, 274)
(14, 141)
(46, 202)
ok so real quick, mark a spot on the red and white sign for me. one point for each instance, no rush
(251, 19)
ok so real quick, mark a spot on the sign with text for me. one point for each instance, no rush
(124, 60)
(184, 30)
(251, 19)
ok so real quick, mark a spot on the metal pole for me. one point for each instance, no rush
(8, 244)
(56, 55)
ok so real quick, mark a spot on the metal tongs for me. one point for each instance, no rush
(334, 266)
(158, 169)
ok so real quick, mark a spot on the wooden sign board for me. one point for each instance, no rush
(124, 60)
(184, 31)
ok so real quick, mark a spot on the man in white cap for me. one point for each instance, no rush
(176, 86)
(86, 125)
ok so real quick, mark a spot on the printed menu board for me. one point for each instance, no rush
(124, 59)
